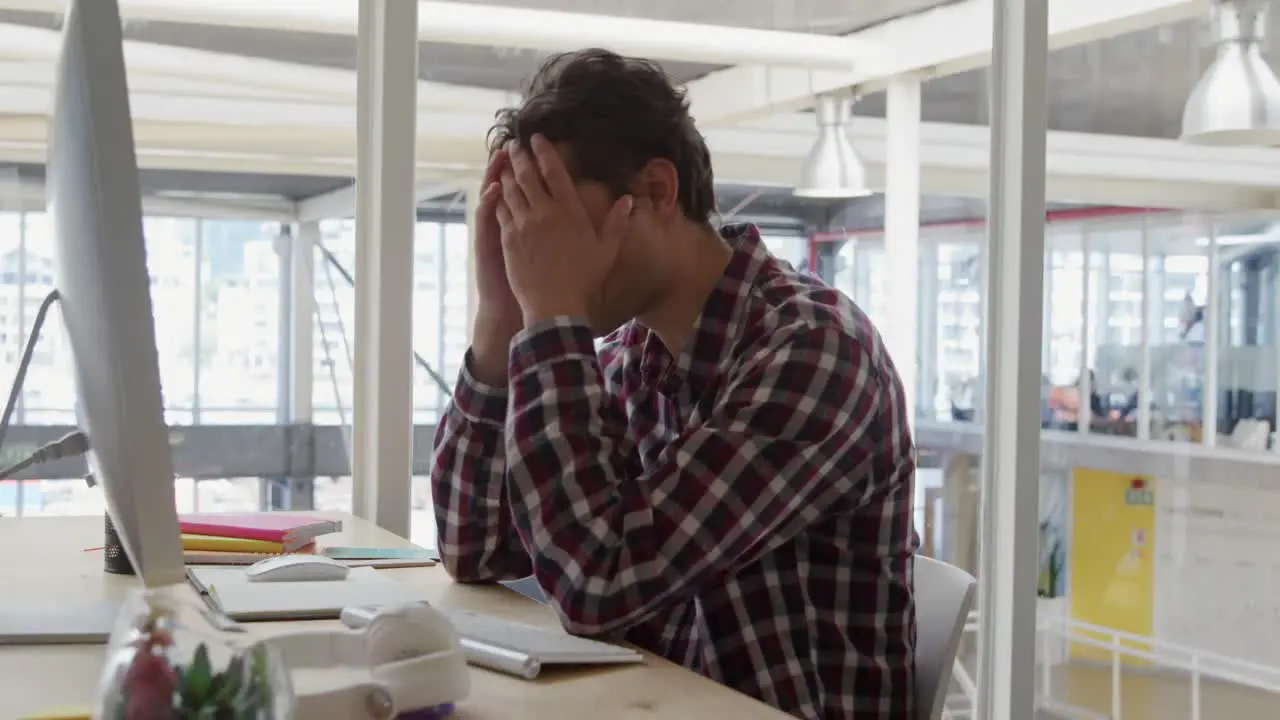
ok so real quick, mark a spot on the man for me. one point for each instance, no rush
(727, 480)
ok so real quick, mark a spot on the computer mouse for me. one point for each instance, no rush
(296, 568)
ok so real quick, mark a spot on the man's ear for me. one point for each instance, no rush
(658, 187)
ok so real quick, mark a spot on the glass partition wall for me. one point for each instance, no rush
(1157, 494)
(1126, 310)
(1163, 349)
(222, 319)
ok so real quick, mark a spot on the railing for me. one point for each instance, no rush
(968, 693)
(1198, 665)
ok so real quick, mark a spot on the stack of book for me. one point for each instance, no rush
(243, 539)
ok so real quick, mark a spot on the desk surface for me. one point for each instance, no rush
(44, 560)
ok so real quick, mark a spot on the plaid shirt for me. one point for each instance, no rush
(743, 508)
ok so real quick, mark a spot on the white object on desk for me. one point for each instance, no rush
(406, 658)
(95, 206)
(246, 601)
(296, 568)
(87, 623)
(514, 648)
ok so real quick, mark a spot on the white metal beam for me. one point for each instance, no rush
(253, 74)
(326, 132)
(302, 321)
(734, 163)
(258, 136)
(335, 204)
(902, 233)
(291, 120)
(382, 426)
(948, 39)
(461, 23)
(1213, 341)
(1063, 449)
(29, 195)
(1011, 443)
(39, 74)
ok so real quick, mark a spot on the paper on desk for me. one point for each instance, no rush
(203, 576)
(242, 600)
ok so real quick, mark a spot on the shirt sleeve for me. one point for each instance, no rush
(613, 544)
(476, 540)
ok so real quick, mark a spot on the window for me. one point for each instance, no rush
(441, 327)
(1065, 326)
(239, 322)
(792, 248)
(431, 280)
(334, 335)
(11, 330)
(171, 262)
(957, 309)
(868, 276)
(1177, 278)
(242, 494)
(48, 397)
(445, 314)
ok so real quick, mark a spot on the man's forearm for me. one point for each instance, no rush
(476, 540)
(490, 348)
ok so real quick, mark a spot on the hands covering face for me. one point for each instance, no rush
(556, 259)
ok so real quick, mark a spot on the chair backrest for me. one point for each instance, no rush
(944, 595)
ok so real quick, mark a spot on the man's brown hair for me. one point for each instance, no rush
(614, 114)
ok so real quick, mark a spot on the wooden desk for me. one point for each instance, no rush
(43, 560)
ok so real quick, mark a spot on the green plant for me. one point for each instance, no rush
(155, 689)
(240, 691)
(1051, 561)
(152, 674)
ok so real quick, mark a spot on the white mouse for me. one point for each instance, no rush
(296, 568)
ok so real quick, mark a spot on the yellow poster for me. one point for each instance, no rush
(1112, 568)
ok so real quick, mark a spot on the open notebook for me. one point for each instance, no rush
(239, 599)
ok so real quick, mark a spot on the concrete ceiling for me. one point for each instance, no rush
(182, 182)
(1134, 84)
(1130, 85)
(507, 68)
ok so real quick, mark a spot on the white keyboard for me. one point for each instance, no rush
(515, 648)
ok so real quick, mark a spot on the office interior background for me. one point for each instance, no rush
(1157, 595)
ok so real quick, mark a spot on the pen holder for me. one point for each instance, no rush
(115, 559)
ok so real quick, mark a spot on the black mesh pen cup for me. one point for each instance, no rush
(116, 560)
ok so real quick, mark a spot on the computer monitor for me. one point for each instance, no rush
(96, 206)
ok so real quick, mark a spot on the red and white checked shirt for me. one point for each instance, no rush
(743, 508)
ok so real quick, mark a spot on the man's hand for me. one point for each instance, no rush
(556, 260)
(498, 316)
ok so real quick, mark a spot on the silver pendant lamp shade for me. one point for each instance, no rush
(833, 168)
(1237, 102)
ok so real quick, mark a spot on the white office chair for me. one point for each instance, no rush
(944, 595)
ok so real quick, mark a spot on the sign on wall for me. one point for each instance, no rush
(1112, 567)
(1139, 493)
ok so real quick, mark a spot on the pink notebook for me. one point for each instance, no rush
(292, 531)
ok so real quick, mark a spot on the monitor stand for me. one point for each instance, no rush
(88, 623)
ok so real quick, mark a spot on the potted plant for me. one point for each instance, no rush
(157, 670)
